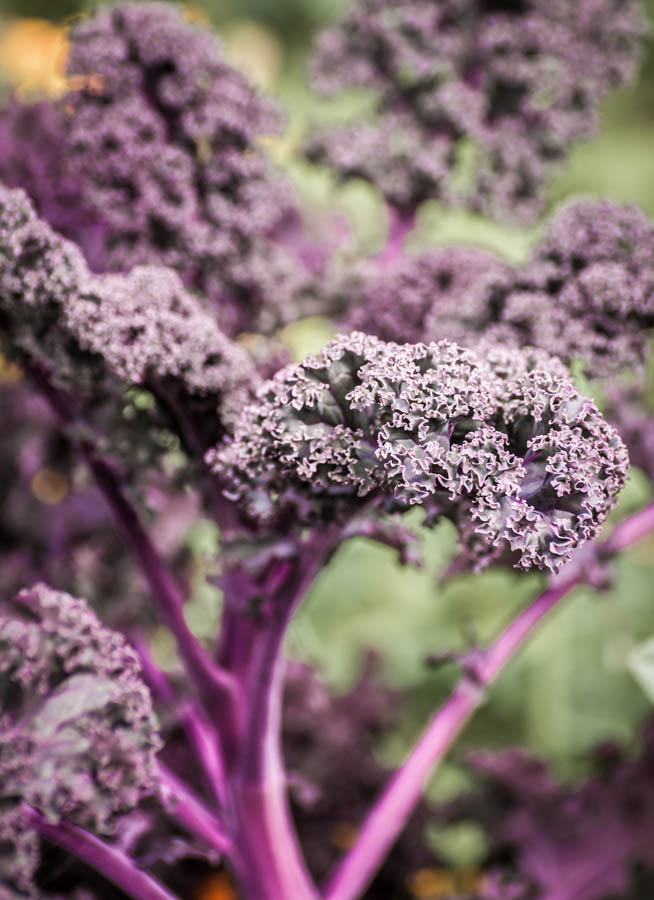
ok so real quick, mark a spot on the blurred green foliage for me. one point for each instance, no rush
(573, 685)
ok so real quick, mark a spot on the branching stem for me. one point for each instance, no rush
(204, 741)
(213, 683)
(399, 225)
(109, 861)
(390, 813)
(193, 814)
(272, 866)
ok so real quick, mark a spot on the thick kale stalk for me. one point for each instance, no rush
(270, 861)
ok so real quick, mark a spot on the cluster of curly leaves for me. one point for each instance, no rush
(78, 737)
(585, 294)
(476, 101)
(500, 442)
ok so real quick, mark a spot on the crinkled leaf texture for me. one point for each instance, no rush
(498, 441)
(477, 101)
(78, 736)
(142, 328)
(163, 137)
(586, 293)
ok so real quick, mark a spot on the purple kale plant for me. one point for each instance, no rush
(78, 737)
(328, 800)
(487, 439)
(163, 138)
(489, 93)
(586, 293)
(55, 188)
(142, 231)
(103, 332)
(444, 293)
(589, 841)
(156, 159)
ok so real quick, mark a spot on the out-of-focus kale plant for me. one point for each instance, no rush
(156, 262)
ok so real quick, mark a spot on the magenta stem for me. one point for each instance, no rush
(192, 813)
(204, 740)
(209, 678)
(109, 861)
(629, 531)
(199, 732)
(399, 225)
(267, 652)
(390, 813)
(272, 864)
(213, 683)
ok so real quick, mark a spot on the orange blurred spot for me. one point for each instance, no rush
(470, 880)
(93, 83)
(432, 884)
(33, 56)
(270, 141)
(343, 835)
(249, 339)
(193, 12)
(10, 373)
(217, 887)
(49, 486)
